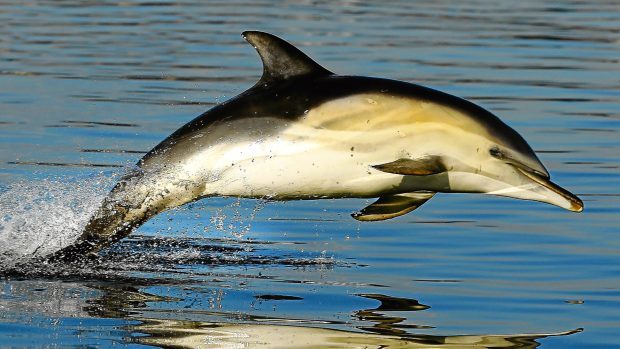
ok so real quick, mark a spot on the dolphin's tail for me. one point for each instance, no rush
(135, 198)
(121, 212)
(109, 224)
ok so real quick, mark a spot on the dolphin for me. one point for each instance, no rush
(303, 132)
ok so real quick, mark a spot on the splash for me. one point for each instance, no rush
(234, 218)
(42, 216)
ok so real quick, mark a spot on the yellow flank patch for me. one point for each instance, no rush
(379, 111)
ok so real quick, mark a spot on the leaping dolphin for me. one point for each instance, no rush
(303, 132)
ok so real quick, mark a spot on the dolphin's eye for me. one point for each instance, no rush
(496, 153)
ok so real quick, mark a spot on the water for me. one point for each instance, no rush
(88, 87)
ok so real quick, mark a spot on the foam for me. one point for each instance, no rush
(39, 217)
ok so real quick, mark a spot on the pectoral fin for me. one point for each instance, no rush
(418, 167)
(392, 206)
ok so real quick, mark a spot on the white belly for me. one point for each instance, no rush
(299, 172)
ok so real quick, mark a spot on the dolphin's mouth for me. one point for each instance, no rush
(575, 204)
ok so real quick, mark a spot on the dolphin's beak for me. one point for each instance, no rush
(551, 193)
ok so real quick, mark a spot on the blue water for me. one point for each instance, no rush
(86, 88)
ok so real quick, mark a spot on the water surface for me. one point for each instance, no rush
(87, 88)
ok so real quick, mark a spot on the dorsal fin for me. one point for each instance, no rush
(281, 60)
